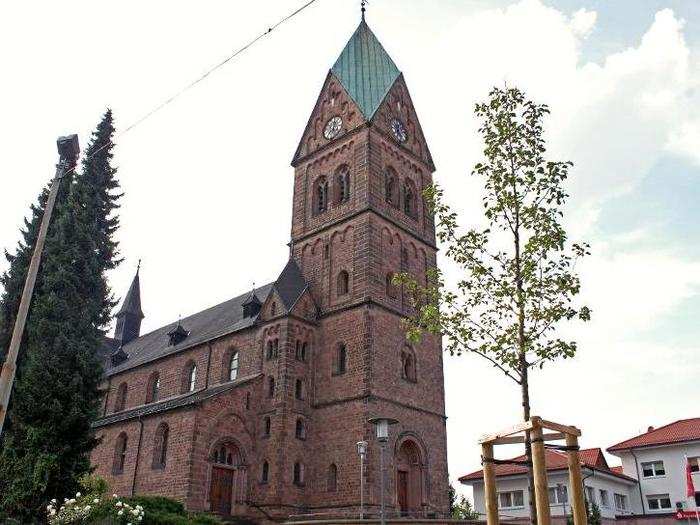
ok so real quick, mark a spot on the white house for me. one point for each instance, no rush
(608, 487)
(658, 459)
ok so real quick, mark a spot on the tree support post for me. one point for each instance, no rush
(578, 506)
(68, 150)
(490, 484)
(540, 472)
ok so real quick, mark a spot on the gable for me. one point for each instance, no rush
(305, 307)
(332, 101)
(398, 104)
(272, 307)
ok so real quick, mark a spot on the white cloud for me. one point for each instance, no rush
(582, 22)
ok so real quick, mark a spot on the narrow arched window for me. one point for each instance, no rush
(391, 290)
(189, 377)
(332, 478)
(343, 283)
(120, 401)
(273, 308)
(343, 184)
(409, 198)
(304, 348)
(160, 446)
(265, 472)
(271, 387)
(300, 429)
(341, 359)
(153, 388)
(299, 389)
(390, 187)
(298, 473)
(120, 453)
(321, 195)
(267, 426)
(269, 350)
(275, 347)
(233, 366)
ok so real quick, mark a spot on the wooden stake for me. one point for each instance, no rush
(578, 506)
(490, 485)
(540, 473)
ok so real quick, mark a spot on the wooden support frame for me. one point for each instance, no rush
(517, 434)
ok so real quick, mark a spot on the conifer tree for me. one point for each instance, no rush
(46, 447)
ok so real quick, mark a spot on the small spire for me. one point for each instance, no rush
(138, 267)
(363, 3)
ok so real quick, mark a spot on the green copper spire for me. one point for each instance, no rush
(366, 70)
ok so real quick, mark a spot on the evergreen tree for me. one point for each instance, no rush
(56, 396)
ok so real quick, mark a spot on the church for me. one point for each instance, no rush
(254, 407)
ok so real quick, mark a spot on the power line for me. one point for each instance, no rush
(206, 74)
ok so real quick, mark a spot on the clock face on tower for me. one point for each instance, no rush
(333, 127)
(399, 130)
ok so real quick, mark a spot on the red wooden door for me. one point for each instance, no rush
(402, 488)
(220, 492)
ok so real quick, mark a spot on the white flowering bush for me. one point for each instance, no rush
(88, 508)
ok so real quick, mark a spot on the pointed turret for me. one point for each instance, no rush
(130, 315)
(366, 70)
(252, 305)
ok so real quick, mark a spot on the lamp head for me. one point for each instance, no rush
(362, 448)
(382, 426)
(68, 147)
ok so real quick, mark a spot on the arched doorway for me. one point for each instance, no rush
(409, 478)
(229, 479)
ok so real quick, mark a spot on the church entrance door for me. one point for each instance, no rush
(402, 491)
(221, 490)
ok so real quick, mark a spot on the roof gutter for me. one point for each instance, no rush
(639, 484)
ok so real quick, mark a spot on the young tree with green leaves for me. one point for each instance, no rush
(46, 445)
(517, 281)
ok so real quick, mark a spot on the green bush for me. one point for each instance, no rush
(158, 504)
(166, 511)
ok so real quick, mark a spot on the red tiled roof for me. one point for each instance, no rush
(555, 460)
(677, 432)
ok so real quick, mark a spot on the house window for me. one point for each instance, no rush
(267, 426)
(620, 502)
(590, 495)
(343, 283)
(300, 430)
(694, 464)
(653, 469)
(233, 366)
(265, 472)
(120, 453)
(299, 389)
(321, 195)
(332, 478)
(160, 446)
(408, 364)
(120, 401)
(271, 387)
(300, 352)
(558, 495)
(343, 181)
(298, 474)
(341, 360)
(604, 498)
(390, 187)
(189, 377)
(391, 290)
(659, 502)
(511, 500)
(409, 198)
(153, 388)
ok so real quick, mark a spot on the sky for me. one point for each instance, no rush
(208, 186)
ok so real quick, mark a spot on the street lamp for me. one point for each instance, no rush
(382, 425)
(362, 451)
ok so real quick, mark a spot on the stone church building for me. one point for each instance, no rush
(254, 406)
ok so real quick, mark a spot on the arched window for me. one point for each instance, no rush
(299, 389)
(298, 473)
(343, 282)
(267, 426)
(343, 184)
(390, 187)
(120, 401)
(120, 453)
(409, 198)
(300, 430)
(269, 351)
(304, 347)
(160, 446)
(341, 359)
(391, 290)
(275, 347)
(321, 195)
(270, 387)
(332, 478)
(227, 454)
(265, 472)
(273, 308)
(189, 377)
(153, 388)
(233, 366)
(408, 364)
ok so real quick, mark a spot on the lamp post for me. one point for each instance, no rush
(381, 425)
(362, 451)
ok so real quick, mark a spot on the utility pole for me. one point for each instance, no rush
(68, 149)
